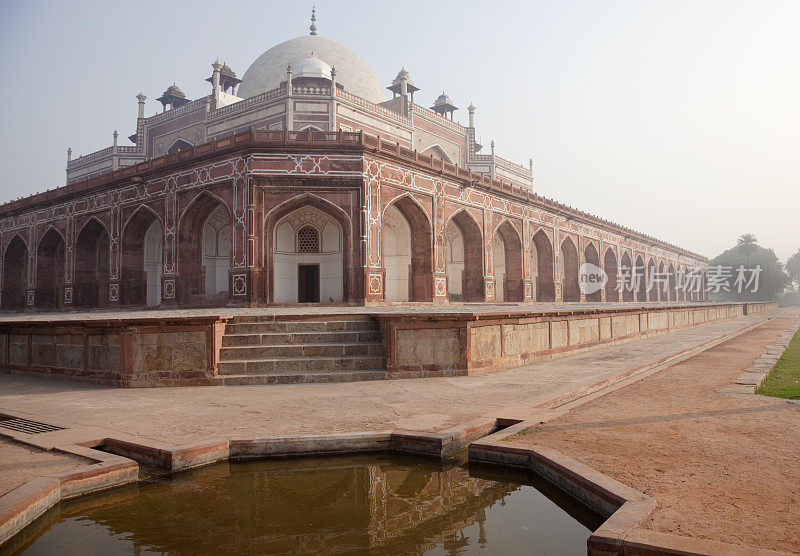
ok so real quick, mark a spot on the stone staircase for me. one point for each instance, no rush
(261, 350)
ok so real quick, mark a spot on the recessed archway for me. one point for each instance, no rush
(308, 257)
(652, 283)
(141, 252)
(464, 258)
(407, 252)
(204, 252)
(15, 274)
(91, 266)
(542, 267)
(610, 268)
(673, 294)
(640, 279)
(507, 258)
(569, 271)
(50, 271)
(593, 257)
(629, 283)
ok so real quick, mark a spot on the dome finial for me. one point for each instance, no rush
(313, 20)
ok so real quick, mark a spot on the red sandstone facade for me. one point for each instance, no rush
(81, 245)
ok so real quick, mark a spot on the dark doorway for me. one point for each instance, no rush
(308, 283)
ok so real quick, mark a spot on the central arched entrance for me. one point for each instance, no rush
(407, 252)
(15, 275)
(50, 271)
(569, 271)
(464, 259)
(308, 257)
(91, 266)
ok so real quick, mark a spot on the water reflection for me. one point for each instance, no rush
(364, 504)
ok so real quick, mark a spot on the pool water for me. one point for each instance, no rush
(370, 504)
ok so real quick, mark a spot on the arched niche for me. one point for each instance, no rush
(570, 264)
(91, 266)
(141, 252)
(407, 252)
(464, 258)
(50, 271)
(308, 257)
(15, 275)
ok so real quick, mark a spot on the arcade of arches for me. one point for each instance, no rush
(308, 257)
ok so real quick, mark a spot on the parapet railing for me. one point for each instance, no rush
(263, 138)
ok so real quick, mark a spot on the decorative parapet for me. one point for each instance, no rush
(438, 118)
(175, 112)
(248, 103)
(383, 111)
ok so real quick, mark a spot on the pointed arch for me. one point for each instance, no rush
(610, 268)
(542, 253)
(204, 251)
(346, 276)
(416, 267)
(141, 249)
(15, 274)
(652, 283)
(464, 278)
(640, 279)
(673, 294)
(570, 286)
(91, 265)
(662, 282)
(628, 281)
(439, 152)
(591, 256)
(507, 245)
(681, 283)
(50, 261)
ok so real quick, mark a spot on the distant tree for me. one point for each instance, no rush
(746, 244)
(747, 254)
(793, 268)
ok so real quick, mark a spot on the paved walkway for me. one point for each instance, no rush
(182, 415)
(102, 314)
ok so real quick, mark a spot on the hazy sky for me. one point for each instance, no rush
(678, 119)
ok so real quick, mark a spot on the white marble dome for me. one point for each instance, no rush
(353, 73)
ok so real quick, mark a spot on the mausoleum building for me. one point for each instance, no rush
(308, 180)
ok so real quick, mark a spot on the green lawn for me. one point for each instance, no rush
(784, 380)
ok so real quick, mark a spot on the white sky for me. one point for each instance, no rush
(678, 119)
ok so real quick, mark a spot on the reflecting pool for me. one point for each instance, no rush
(371, 504)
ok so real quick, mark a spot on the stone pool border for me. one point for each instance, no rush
(114, 462)
(624, 508)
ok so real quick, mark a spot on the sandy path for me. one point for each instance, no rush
(721, 466)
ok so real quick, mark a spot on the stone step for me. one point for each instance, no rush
(238, 327)
(284, 338)
(299, 378)
(293, 365)
(239, 353)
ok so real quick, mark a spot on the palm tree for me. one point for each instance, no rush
(746, 244)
